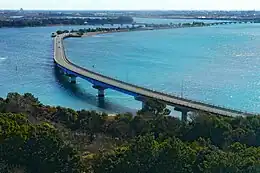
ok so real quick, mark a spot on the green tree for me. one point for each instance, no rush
(16, 103)
(206, 126)
(59, 32)
(90, 122)
(154, 108)
(37, 148)
(145, 154)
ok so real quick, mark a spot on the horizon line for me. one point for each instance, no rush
(12, 9)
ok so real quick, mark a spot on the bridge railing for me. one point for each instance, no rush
(223, 108)
(239, 111)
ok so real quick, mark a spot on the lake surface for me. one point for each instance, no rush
(219, 65)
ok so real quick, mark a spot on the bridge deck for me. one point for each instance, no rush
(61, 59)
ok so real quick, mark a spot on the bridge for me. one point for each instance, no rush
(206, 23)
(102, 82)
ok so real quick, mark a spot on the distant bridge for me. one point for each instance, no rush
(102, 82)
(206, 23)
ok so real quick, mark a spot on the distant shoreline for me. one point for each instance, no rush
(89, 34)
(139, 29)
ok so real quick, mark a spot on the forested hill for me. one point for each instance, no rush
(35, 138)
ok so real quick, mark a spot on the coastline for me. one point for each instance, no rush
(89, 34)
(152, 28)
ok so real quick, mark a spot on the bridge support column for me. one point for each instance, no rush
(101, 91)
(184, 113)
(73, 79)
(62, 71)
(184, 116)
(143, 104)
(141, 99)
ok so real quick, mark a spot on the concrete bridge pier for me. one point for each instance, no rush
(61, 71)
(141, 99)
(101, 102)
(184, 116)
(184, 113)
(143, 104)
(101, 91)
(72, 78)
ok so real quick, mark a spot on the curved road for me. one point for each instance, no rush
(180, 103)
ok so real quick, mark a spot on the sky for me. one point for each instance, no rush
(130, 4)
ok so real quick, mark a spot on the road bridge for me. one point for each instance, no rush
(102, 82)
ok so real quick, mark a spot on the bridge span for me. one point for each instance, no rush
(102, 82)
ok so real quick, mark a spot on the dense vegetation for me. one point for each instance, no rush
(140, 27)
(35, 138)
(132, 28)
(80, 32)
(64, 21)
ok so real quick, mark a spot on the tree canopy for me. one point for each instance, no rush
(39, 138)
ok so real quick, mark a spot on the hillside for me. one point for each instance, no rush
(37, 138)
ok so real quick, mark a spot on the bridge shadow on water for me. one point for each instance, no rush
(74, 90)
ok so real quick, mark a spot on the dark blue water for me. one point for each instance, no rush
(215, 65)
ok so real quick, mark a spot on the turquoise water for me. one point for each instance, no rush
(219, 65)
